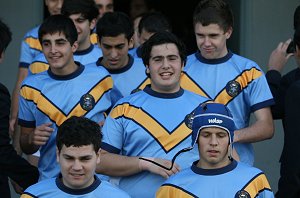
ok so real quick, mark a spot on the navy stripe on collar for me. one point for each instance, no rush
(85, 51)
(151, 92)
(82, 191)
(216, 171)
(76, 73)
(120, 70)
(213, 61)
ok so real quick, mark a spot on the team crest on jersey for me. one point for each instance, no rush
(189, 120)
(87, 102)
(233, 88)
(242, 194)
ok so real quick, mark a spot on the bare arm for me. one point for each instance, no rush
(261, 129)
(15, 100)
(32, 138)
(119, 165)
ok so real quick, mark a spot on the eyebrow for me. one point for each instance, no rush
(80, 157)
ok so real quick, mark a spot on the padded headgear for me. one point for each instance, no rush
(211, 115)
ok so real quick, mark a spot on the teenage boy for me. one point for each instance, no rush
(224, 77)
(146, 129)
(77, 152)
(216, 174)
(67, 88)
(84, 14)
(115, 37)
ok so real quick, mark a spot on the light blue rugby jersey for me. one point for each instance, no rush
(233, 180)
(85, 57)
(46, 97)
(150, 124)
(129, 78)
(235, 81)
(30, 47)
(54, 188)
(135, 52)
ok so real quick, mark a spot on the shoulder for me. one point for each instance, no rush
(93, 68)
(243, 62)
(112, 190)
(195, 97)
(180, 177)
(249, 169)
(33, 32)
(41, 187)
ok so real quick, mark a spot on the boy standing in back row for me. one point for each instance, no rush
(239, 83)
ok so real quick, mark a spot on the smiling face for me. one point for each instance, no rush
(211, 40)
(59, 53)
(78, 165)
(164, 68)
(213, 145)
(115, 51)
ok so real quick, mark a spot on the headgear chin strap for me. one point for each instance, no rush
(204, 116)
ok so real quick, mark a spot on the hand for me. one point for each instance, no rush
(151, 167)
(41, 134)
(18, 189)
(279, 57)
(101, 123)
(12, 126)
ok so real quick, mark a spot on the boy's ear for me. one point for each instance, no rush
(228, 33)
(131, 43)
(93, 24)
(98, 156)
(75, 46)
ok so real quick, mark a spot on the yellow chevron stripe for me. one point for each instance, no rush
(187, 83)
(94, 38)
(53, 112)
(167, 140)
(146, 82)
(171, 191)
(26, 196)
(34, 43)
(257, 185)
(244, 80)
(38, 67)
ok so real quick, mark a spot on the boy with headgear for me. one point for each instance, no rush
(216, 174)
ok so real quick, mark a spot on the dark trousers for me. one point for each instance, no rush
(4, 187)
(289, 183)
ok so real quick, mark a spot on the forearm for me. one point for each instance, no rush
(15, 102)
(16, 92)
(118, 165)
(258, 131)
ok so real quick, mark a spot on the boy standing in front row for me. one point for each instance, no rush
(78, 152)
(216, 174)
(147, 128)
